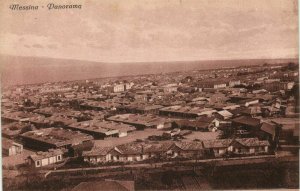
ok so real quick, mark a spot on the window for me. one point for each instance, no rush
(38, 163)
(112, 157)
(58, 157)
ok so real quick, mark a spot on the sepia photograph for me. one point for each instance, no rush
(125, 95)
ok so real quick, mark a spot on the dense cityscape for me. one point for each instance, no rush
(224, 128)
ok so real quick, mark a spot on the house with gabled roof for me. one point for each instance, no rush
(216, 147)
(9, 147)
(157, 150)
(127, 152)
(248, 146)
(131, 152)
(186, 149)
(97, 155)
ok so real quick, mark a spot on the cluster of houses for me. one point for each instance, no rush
(65, 119)
(168, 150)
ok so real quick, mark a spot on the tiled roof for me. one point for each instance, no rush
(187, 109)
(101, 126)
(42, 155)
(96, 151)
(252, 142)
(223, 143)
(218, 143)
(57, 136)
(130, 148)
(135, 119)
(190, 145)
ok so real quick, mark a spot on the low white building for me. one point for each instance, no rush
(170, 88)
(234, 83)
(119, 88)
(41, 159)
(219, 85)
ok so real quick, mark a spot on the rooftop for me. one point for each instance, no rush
(105, 127)
(145, 119)
(57, 136)
(187, 109)
(43, 155)
(246, 120)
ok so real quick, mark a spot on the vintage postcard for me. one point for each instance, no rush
(149, 94)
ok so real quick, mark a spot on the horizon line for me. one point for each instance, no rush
(160, 61)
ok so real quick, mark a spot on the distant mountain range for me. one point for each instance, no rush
(28, 70)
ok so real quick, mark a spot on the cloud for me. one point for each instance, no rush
(22, 39)
(116, 31)
(52, 46)
(37, 46)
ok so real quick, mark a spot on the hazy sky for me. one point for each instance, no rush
(154, 30)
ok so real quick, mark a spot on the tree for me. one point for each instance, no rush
(295, 92)
(292, 66)
(240, 86)
(265, 64)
